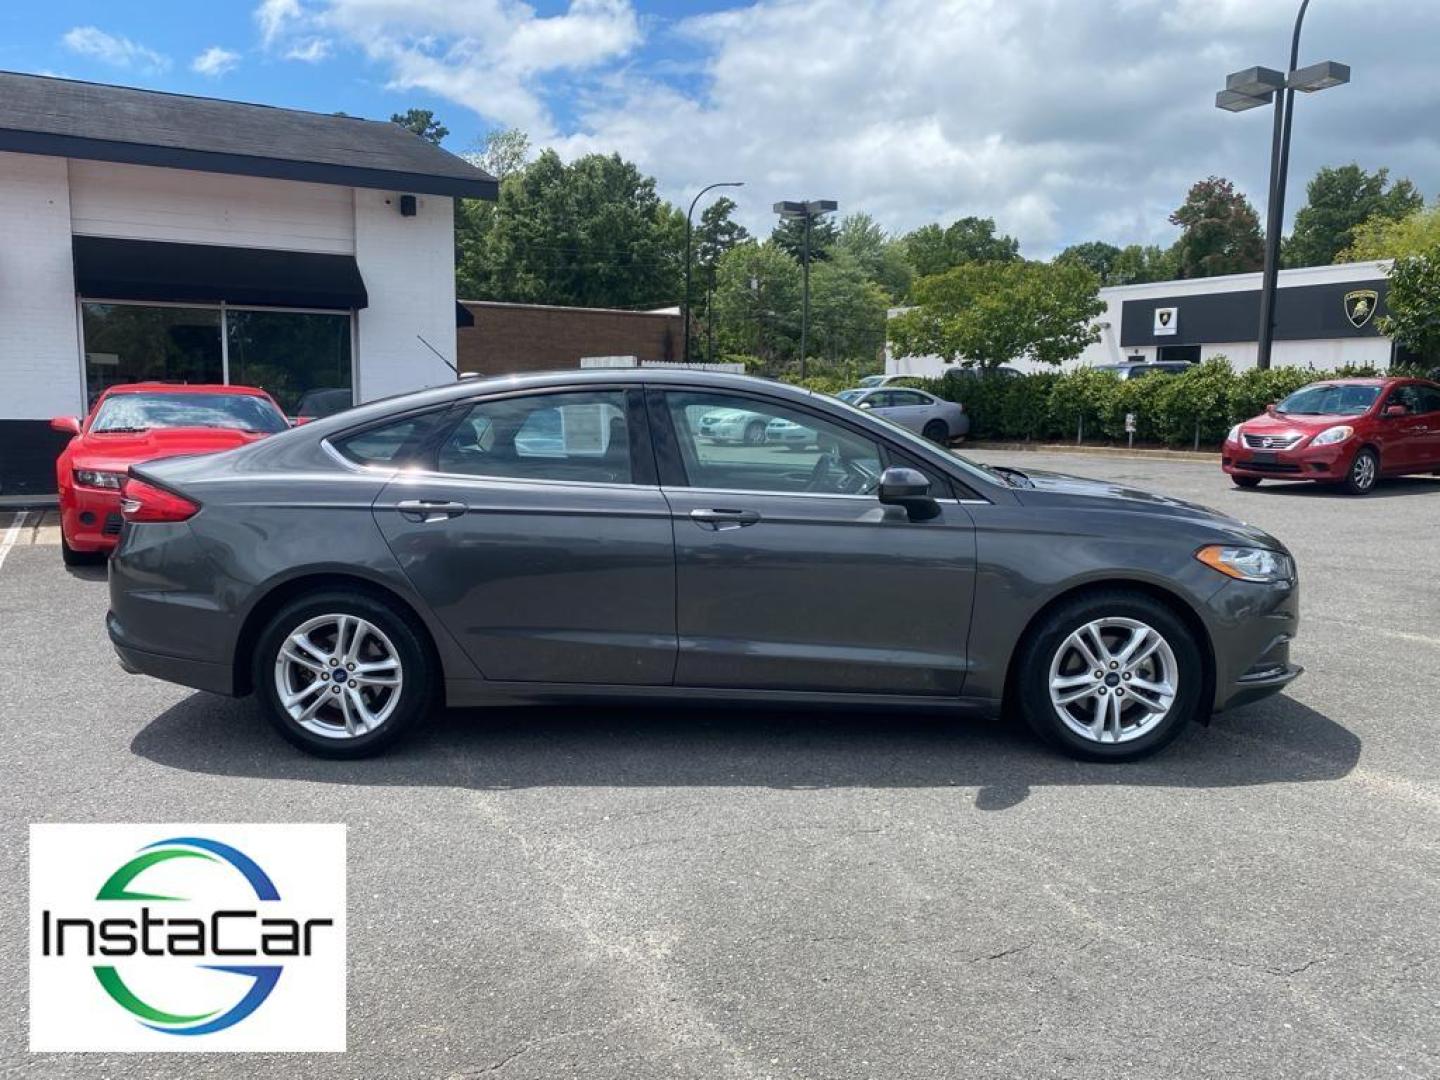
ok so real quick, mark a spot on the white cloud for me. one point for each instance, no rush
(1064, 120)
(275, 17)
(493, 56)
(215, 62)
(310, 50)
(113, 49)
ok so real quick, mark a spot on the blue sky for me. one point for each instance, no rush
(1066, 120)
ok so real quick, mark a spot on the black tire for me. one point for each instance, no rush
(755, 433)
(937, 431)
(1246, 481)
(1362, 477)
(1032, 673)
(70, 557)
(418, 693)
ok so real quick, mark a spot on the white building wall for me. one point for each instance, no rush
(140, 202)
(39, 342)
(408, 264)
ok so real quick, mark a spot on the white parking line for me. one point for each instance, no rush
(12, 534)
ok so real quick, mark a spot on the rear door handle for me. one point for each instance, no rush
(720, 519)
(426, 510)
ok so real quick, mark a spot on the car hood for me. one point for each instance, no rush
(97, 450)
(1082, 492)
(1278, 424)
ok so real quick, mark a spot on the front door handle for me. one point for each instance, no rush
(720, 519)
(427, 510)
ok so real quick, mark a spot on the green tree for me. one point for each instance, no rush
(983, 314)
(1384, 237)
(1414, 303)
(1339, 201)
(847, 313)
(880, 257)
(789, 236)
(593, 232)
(423, 123)
(933, 250)
(757, 304)
(1137, 264)
(501, 152)
(1220, 231)
(718, 231)
(1095, 255)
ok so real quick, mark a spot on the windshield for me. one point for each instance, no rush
(849, 395)
(140, 412)
(1330, 399)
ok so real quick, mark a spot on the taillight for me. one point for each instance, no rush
(140, 501)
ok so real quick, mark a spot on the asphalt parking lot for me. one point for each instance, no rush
(738, 893)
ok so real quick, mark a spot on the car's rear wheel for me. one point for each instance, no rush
(1364, 472)
(937, 431)
(1111, 676)
(342, 674)
(1246, 481)
(754, 433)
(70, 557)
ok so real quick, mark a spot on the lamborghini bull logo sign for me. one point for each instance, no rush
(1360, 306)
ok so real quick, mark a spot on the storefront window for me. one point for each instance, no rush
(294, 356)
(301, 358)
(127, 343)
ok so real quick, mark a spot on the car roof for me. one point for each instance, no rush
(183, 388)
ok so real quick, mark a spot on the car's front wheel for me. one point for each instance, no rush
(1364, 472)
(1111, 676)
(70, 557)
(342, 674)
(1245, 481)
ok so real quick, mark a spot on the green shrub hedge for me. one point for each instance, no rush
(1202, 402)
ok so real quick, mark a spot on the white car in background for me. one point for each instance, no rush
(938, 420)
(734, 426)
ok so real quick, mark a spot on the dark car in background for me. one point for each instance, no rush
(1143, 369)
(574, 537)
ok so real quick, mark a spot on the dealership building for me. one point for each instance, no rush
(146, 235)
(1325, 317)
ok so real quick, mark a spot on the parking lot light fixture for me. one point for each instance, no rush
(685, 301)
(1248, 89)
(806, 211)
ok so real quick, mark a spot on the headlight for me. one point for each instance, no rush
(1234, 435)
(98, 478)
(1333, 435)
(1248, 563)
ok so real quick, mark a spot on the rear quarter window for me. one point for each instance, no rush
(396, 443)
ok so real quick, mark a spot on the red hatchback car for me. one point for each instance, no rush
(141, 422)
(1344, 431)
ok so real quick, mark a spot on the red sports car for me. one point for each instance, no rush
(141, 422)
(1345, 431)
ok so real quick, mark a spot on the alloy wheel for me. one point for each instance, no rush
(338, 676)
(1362, 473)
(1113, 680)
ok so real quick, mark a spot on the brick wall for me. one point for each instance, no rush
(509, 338)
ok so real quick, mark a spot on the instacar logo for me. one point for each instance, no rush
(188, 939)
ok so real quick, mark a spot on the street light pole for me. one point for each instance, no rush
(1247, 90)
(685, 305)
(808, 212)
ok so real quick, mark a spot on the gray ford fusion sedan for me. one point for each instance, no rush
(572, 536)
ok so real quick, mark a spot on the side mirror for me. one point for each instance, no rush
(1397, 410)
(909, 488)
(297, 421)
(67, 425)
(866, 405)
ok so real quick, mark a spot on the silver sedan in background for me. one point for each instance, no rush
(938, 420)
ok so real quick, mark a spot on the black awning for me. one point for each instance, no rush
(111, 269)
(463, 315)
